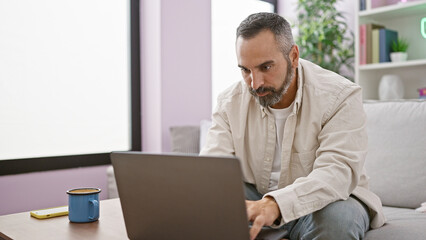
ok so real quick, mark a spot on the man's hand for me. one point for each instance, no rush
(262, 213)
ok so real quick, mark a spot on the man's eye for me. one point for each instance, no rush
(267, 67)
(245, 70)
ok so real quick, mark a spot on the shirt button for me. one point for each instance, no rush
(268, 159)
(272, 127)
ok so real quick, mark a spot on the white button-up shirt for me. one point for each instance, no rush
(324, 143)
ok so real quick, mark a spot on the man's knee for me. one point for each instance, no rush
(339, 220)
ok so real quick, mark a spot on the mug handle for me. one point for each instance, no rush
(95, 207)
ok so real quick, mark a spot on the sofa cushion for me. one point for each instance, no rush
(185, 139)
(204, 129)
(402, 223)
(396, 159)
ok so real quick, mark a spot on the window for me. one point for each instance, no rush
(69, 83)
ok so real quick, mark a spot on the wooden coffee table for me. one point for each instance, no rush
(109, 226)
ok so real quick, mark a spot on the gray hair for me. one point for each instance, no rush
(257, 22)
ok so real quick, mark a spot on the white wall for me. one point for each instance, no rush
(226, 17)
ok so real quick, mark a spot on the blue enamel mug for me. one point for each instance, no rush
(83, 204)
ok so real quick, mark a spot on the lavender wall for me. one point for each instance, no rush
(31, 191)
(176, 58)
(176, 90)
(186, 63)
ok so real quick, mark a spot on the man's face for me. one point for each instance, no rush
(265, 70)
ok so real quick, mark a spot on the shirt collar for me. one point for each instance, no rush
(299, 93)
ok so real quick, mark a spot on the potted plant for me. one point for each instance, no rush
(399, 48)
(324, 37)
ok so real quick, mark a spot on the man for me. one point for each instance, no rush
(299, 132)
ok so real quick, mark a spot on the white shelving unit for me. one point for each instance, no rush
(406, 19)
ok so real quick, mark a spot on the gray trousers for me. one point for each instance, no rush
(341, 220)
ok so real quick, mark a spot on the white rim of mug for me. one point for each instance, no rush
(98, 190)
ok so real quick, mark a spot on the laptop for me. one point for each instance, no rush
(165, 196)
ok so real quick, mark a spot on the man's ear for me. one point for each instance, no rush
(294, 56)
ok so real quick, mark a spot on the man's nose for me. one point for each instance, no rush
(256, 80)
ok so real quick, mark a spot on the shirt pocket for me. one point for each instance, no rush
(302, 163)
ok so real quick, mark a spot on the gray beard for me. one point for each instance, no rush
(275, 95)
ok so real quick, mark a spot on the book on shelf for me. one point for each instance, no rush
(362, 44)
(375, 46)
(362, 5)
(365, 4)
(369, 40)
(386, 37)
(368, 4)
(366, 42)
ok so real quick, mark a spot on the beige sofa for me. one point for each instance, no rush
(396, 163)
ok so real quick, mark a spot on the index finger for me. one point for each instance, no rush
(256, 227)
